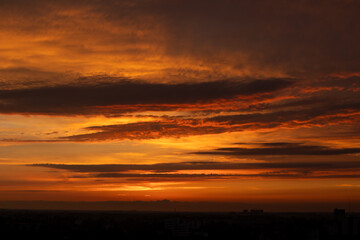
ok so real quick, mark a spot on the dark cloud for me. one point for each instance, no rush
(162, 176)
(171, 167)
(282, 149)
(85, 99)
(194, 177)
(170, 171)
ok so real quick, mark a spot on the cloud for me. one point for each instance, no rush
(194, 177)
(192, 108)
(201, 171)
(252, 39)
(20, 77)
(89, 98)
(334, 112)
(146, 130)
(247, 37)
(180, 127)
(299, 37)
(171, 167)
(281, 149)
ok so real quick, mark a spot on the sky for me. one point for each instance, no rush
(220, 101)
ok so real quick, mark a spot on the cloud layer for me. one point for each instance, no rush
(132, 95)
(178, 171)
(269, 149)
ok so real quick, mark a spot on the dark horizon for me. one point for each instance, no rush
(179, 206)
(252, 225)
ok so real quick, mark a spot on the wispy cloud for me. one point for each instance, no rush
(281, 149)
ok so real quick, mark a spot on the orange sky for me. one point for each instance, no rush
(235, 101)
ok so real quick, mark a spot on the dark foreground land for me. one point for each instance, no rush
(26, 224)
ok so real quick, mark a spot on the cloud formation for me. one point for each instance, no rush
(177, 171)
(170, 167)
(180, 127)
(89, 99)
(247, 38)
(189, 109)
(281, 149)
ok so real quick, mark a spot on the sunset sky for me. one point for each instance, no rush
(223, 101)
